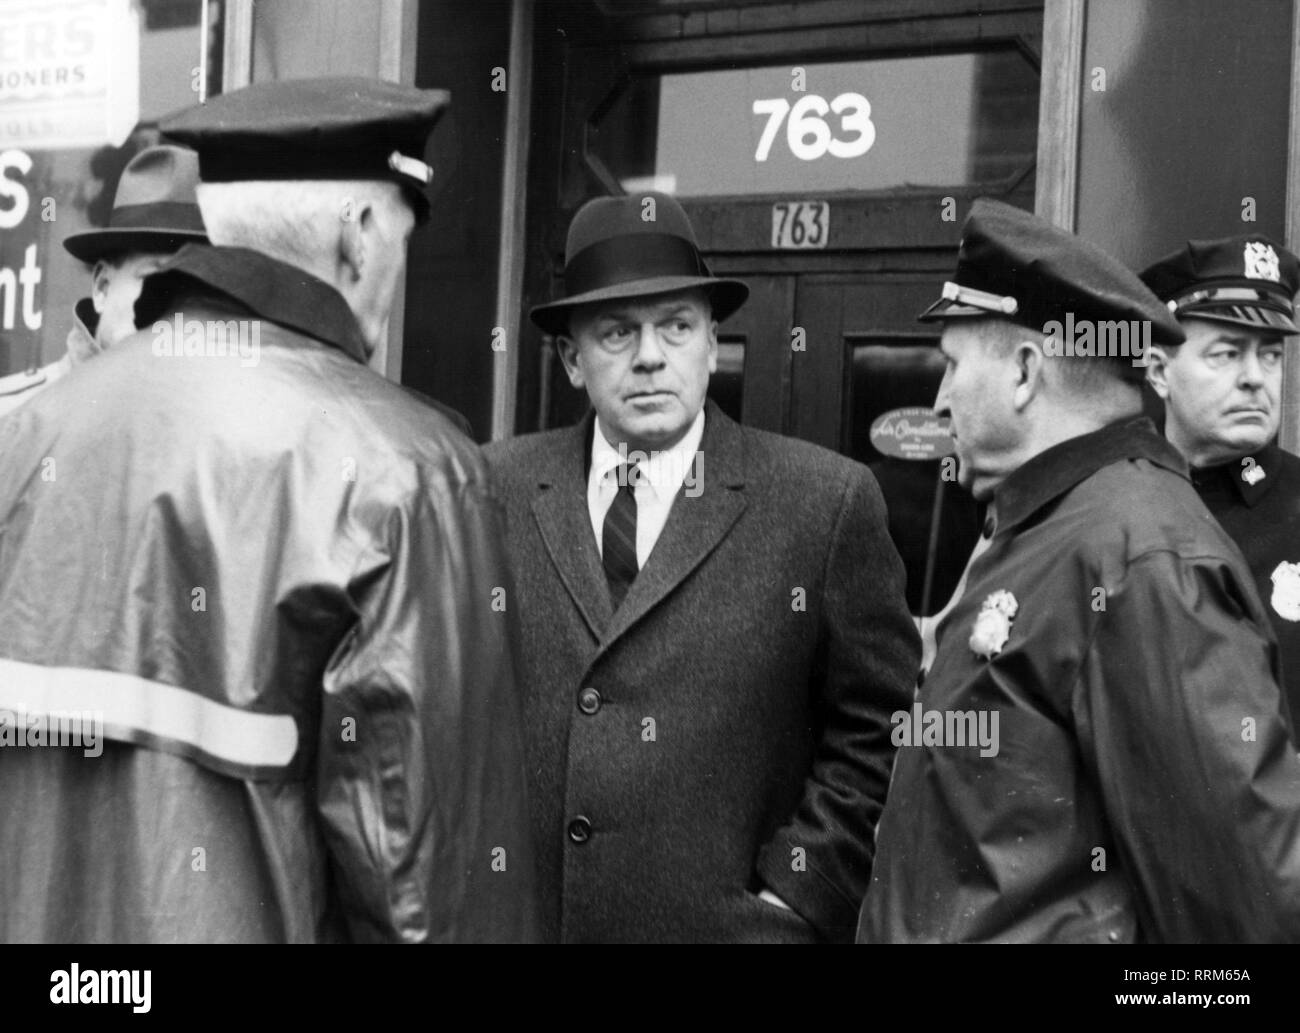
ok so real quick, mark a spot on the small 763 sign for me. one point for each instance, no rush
(800, 225)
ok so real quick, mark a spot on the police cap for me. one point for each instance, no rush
(1016, 266)
(1248, 281)
(334, 128)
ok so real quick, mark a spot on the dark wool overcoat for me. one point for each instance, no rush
(728, 728)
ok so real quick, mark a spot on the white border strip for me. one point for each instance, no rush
(141, 711)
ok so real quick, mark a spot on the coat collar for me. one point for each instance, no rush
(695, 524)
(81, 343)
(1251, 477)
(1055, 471)
(269, 288)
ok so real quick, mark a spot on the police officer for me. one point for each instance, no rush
(1097, 753)
(1223, 401)
(271, 576)
(155, 212)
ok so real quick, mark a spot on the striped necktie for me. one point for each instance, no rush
(618, 536)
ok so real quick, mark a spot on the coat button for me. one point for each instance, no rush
(589, 701)
(580, 829)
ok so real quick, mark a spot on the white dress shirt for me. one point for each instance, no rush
(662, 477)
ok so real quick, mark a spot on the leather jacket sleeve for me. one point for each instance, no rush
(420, 762)
(1183, 727)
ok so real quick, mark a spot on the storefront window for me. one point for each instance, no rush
(82, 86)
(305, 39)
(933, 121)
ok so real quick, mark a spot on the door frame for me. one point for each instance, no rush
(607, 53)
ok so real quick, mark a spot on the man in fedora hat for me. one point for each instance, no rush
(1222, 391)
(713, 626)
(269, 576)
(155, 212)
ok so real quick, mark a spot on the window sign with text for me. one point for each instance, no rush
(82, 85)
(844, 126)
(68, 73)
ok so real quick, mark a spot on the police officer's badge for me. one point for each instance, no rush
(993, 624)
(1286, 590)
(1261, 262)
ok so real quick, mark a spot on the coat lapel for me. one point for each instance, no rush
(560, 509)
(695, 525)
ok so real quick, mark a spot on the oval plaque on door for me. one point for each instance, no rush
(913, 433)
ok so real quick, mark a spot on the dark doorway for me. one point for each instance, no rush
(827, 154)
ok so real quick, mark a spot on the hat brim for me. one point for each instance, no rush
(947, 309)
(725, 295)
(93, 245)
(1255, 317)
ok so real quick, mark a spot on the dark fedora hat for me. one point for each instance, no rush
(155, 209)
(627, 247)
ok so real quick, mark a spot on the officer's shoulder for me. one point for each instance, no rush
(410, 427)
(1149, 508)
(17, 388)
(1138, 490)
(1288, 463)
(454, 416)
(1277, 500)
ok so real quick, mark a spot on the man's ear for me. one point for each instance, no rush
(1031, 367)
(713, 346)
(356, 224)
(568, 349)
(1158, 370)
(101, 279)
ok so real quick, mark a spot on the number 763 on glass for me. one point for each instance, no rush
(807, 132)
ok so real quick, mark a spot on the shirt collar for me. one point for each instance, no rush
(274, 290)
(1251, 476)
(1055, 471)
(663, 472)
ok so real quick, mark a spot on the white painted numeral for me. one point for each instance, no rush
(802, 124)
(808, 135)
(859, 121)
(775, 109)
